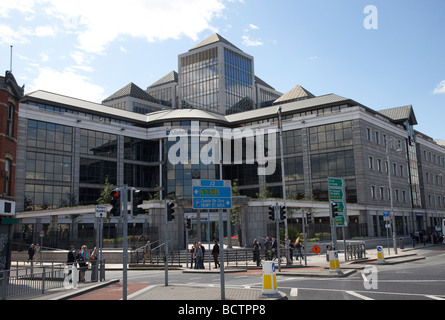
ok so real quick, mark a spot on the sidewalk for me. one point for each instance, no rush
(317, 266)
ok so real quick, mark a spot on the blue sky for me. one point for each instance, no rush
(61, 46)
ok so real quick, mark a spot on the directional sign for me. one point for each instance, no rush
(337, 194)
(212, 194)
(101, 211)
(336, 183)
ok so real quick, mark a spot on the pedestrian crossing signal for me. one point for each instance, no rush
(170, 211)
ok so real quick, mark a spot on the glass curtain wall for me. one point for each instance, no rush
(199, 80)
(238, 73)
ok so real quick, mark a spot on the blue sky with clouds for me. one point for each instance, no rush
(90, 49)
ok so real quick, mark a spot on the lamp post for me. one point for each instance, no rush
(283, 180)
(391, 194)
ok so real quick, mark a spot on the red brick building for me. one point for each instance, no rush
(10, 95)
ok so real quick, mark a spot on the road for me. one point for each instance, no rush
(418, 280)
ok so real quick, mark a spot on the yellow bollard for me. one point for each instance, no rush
(334, 263)
(269, 278)
(380, 256)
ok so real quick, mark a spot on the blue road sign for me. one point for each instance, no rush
(212, 194)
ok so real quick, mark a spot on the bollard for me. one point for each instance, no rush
(401, 244)
(334, 263)
(380, 256)
(269, 278)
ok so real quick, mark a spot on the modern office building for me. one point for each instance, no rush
(157, 140)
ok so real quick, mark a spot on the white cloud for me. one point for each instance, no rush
(107, 20)
(440, 88)
(253, 27)
(251, 43)
(68, 83)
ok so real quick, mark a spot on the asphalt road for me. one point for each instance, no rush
(418, 280)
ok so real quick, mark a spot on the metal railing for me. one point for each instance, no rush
(34, 280)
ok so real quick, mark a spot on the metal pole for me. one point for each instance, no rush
(125, 232)
(304, 235)
(283, 182)
(221, 250)
(277, 225)
(393, 217)
(166, 243)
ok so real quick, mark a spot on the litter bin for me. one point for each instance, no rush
(401, 244)
(94, 270)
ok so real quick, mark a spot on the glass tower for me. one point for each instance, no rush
(216, 76)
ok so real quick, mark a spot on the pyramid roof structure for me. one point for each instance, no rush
(295, 94)
(214, 38)
(131, 90)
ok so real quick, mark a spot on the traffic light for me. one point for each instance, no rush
(334, 209)
(283, 215)
(137, 200)
(188, 222)
(170, 211)
(116, 203)
(272, 213)
(309, 217)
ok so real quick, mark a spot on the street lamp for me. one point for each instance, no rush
(286, 235)
(391, 193)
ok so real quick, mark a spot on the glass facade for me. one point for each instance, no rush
(238, 80)
(199, 80)
(45, 135)
(331, 135)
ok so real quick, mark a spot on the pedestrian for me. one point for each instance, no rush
(274, 249)
(31, 253)
(215, 253)
(291, 250)
(71, 260)
(203, 250)
(93, 255)
(83, 257)
(38, 253)
(192, 255)
(268, 248)
(198, 253)
(147, 253)
(298, 246)
(256, 252)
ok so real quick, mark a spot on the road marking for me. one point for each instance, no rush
(435, 297)
(294, 292)
(355, 294)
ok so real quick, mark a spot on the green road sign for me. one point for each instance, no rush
(337, 194)
(336, 182)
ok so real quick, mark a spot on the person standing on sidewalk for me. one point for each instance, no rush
(215, 253)
(83, 257)
(256, 252)
(148, 252)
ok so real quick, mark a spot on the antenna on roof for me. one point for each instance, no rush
(10, 62)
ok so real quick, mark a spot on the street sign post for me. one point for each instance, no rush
(212, 194)
(337, 194)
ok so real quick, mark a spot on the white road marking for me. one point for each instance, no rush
(355, 294)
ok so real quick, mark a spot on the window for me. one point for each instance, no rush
(371, 163)
(10, 121)
(7, 181)
(379, 165)
(373, 192)
(368, 134)
(381, 192)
